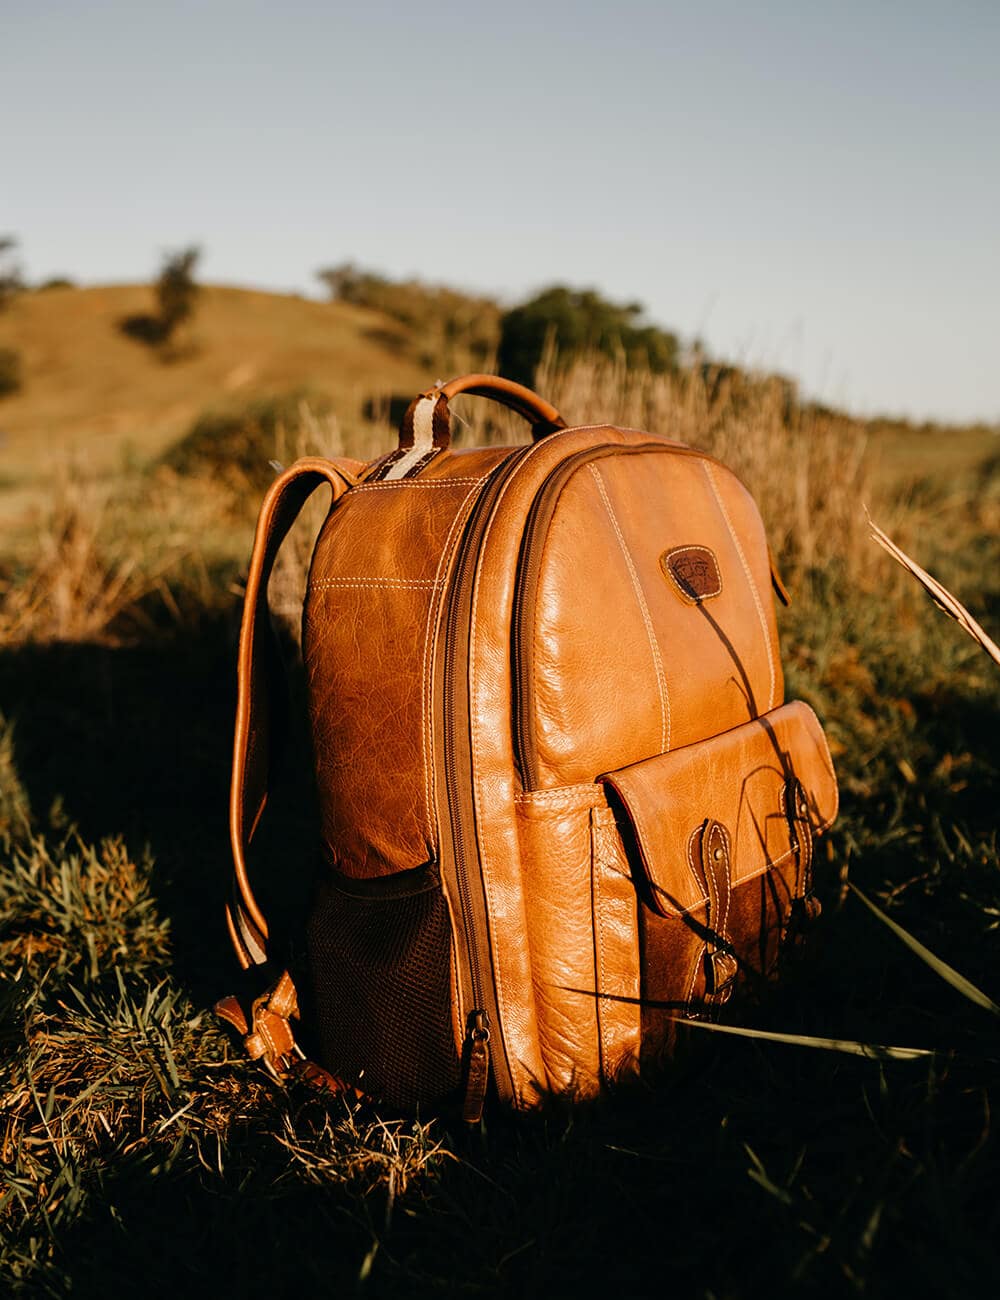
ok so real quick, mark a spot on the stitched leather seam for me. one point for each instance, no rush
(724, 920)
(654, 648)
(695, 967)
(599, 928)
(710, 473)
(694, 870)
(321, 583)
(416, 483)
(570, 796)
(713, 896)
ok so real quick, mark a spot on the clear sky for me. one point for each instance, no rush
(808, 186)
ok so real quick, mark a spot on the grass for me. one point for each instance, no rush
(138, 1148)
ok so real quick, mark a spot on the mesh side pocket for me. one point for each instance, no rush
(379, 958)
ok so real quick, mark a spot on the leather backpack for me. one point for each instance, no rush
(563, 803)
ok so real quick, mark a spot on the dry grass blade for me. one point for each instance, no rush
(941, 968)
(847, 1046)
(941, 596)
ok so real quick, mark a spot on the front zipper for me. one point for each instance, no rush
(460, 796)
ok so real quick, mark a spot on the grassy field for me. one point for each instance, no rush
(139, 1150)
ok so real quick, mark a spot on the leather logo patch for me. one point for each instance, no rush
(693, 571)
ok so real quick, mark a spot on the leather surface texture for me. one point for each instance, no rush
(374, 591)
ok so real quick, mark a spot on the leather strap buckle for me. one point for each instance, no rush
(721, 969)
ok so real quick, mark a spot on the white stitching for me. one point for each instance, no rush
(320, 583)
(598, 849)
(654, 648)
(724, 920)
(696, 964)
(589, 795)
(416, 483)
(710, 473)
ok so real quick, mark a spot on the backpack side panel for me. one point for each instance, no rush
(380, 933)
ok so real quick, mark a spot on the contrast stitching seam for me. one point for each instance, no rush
(661, 680)
(403, 583)
(415, 483)
(724, 920)
(709, 471)
(567, 795)
(694, 872)
(602, 985)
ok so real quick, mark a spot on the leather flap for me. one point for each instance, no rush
(740, 779)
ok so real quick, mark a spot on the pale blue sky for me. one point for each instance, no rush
(812, 187)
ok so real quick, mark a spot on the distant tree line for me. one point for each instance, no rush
(567, 321)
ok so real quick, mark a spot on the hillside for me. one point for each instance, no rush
(88, 387)
(97, 399)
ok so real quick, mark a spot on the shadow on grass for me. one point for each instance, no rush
(748, 1170)
(136, 741)
(752, 1173)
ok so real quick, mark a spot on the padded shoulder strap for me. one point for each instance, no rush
(261, 687)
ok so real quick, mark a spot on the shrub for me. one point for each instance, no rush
(11, 274)
(237, 445)
(11, 377)
(579, 321)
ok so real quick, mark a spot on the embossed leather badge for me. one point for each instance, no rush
(693, 571)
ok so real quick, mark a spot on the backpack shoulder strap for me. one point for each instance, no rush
(260, 695)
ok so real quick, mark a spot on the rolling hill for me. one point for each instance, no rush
(88, 388)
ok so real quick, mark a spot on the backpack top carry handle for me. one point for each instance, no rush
(426, 427)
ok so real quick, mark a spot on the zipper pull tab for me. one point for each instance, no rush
(477, 1066)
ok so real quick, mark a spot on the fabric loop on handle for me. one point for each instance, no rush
(426, 427)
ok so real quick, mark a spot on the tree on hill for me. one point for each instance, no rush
(577, 321)
(176, 298)
(11, 272)
(176, 290)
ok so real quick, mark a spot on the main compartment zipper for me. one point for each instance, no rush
(480, 991)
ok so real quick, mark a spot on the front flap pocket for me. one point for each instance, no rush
(757, 781)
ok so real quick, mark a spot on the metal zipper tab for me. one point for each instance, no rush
(477, 1069)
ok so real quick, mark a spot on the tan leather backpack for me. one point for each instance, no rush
(563, 802)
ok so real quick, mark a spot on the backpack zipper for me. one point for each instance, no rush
(460, 796)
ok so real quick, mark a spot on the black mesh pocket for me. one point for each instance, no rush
(379, 958)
